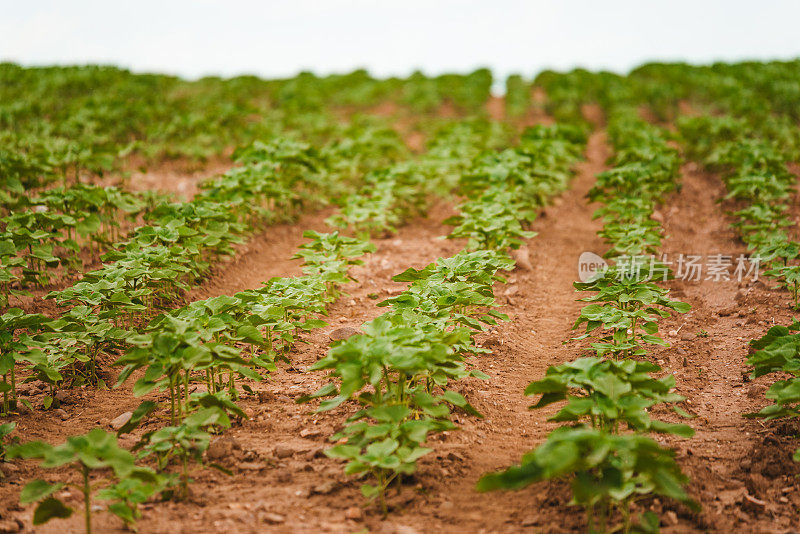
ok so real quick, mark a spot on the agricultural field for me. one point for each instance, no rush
(403, 305)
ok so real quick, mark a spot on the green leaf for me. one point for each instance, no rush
(37, 490)
(50, 508)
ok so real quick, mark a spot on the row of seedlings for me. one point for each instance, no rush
(603, 446)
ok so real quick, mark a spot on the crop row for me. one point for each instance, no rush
(213, 342)
(603, 446)
(148, 270)
(59, 124)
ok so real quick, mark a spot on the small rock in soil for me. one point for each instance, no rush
(751, 504)
(63, 397)
(221, 448)
(283, 451)
(354, 513)
(325, 487)
(341, 333)
(121, 420)
(8, 469)
(523, 258)
(725, 312)
(671, 518)
(251, 466)
(530, 521)
(271, 518)
(687, 336)
(61, 414)
(310, 432)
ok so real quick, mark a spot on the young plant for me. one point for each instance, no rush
(186, 442)
(609, 473)
(12, 346)
(402, 365)
(778, 351)
(5, 430)
(607, 394)
(623, 314)
(96, 451)
(175, 350)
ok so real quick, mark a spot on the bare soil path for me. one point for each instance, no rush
(738, 467)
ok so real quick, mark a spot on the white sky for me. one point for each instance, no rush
(279, 38)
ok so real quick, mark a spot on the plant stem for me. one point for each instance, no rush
(87, 492)
(172, 400)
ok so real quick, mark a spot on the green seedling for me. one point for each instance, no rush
(96, 451)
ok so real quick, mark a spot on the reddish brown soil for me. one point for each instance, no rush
(179, 178)
(736, 464)
(496, 108)
(283, 483)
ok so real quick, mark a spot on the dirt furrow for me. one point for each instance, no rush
(708, 353)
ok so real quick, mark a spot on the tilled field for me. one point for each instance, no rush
(279, 478)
